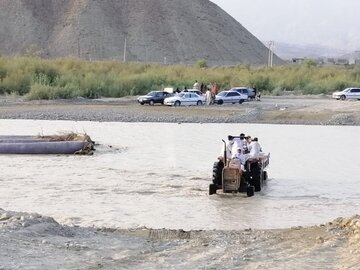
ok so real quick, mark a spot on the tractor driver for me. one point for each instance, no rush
(241, 157)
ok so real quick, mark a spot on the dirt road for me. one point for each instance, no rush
(314, 110)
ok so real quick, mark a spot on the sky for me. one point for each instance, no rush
(331, 23)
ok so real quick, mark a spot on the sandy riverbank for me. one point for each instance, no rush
(314, 110)
(31, 241)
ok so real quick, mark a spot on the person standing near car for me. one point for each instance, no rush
(208, 96)
(215, 88)
(202, 88)
(258, 96)
(214, 92)
(196, 85)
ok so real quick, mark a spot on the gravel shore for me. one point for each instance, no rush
(314, 110)
(32, 241)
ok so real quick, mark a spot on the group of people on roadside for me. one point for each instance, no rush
(242, 148)
(210, 91)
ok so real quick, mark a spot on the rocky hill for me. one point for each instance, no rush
(177, 31)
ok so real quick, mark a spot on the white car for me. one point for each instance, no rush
(194, 91)
(185, 98)
(230, 97)
(348, 93)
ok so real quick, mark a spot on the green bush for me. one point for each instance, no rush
(68, 78)
(3, 73)
(39, 91)
(261, 82)
(201, 63)
(17, 82)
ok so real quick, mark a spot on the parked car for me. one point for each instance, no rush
(348, 93)
(194, 91)
(153, 97)
(185, 98)
(246, 91)
(230, 97)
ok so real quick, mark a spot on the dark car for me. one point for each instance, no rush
(153, 97)
(245, 90)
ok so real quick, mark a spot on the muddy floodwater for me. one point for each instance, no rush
(157, 175)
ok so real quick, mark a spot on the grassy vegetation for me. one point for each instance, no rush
(67, 78)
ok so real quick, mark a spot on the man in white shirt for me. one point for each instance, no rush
(241, 157)
(239, 143)
(255, 148)
(208, 97)
(196, 85)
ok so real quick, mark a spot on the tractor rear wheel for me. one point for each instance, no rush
(256, 177)
(212, 189)
(265, 175)
(250, 190)
(217, 172)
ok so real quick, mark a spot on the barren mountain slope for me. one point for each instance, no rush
(178, 31)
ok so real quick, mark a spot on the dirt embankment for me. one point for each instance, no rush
(32, 241)
(270, 110)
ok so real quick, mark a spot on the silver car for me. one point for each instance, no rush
(246, 91)
(185, 98)
(348, 93)
(230, 97)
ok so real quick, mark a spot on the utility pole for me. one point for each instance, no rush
(146, 55)
(78, 47)
(271, 53)
(125, 50)
(78, 38)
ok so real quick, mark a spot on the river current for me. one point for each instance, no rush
(156, 175)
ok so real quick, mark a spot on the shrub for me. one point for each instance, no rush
(309, 63)
(49, 76)
(17, 83)
(3, 73)
(262, 83)
(201, 63)
(39, 91)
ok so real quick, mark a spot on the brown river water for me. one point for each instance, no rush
(157, 175)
